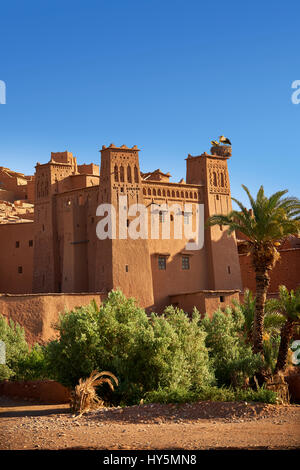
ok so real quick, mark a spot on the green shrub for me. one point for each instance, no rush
(271, 348)
(16, 347)
(143, 352)
(32, 366)
(230, 352)
(210, 393)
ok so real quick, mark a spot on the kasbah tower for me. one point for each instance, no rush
(68, 257)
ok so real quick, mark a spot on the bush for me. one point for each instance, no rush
(144, 353)
(32, 366)
(16, 347)
(232, 356)
(210, 393)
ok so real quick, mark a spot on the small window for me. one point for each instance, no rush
(228, 269)
(222, 298)
(17, 244)
(126, 268)
(162, 262)
(92, 220)
(185, 262)
(30, 243)
(161, 216)
(20, 269)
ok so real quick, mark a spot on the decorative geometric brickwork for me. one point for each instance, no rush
(218, 178)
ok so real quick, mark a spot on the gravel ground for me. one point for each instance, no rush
(202, 425)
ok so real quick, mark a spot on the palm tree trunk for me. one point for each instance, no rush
(262, 283)
(286, 335)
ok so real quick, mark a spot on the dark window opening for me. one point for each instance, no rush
(222, 298)
(122, 174)
(17, 244)
(228, 269)
(162, 263)
(126, 268)
(30, 243)
(20, 269)
(185, 262)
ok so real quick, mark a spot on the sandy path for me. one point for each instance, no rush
(199, 426)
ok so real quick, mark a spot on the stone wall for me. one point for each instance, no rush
(37, 313)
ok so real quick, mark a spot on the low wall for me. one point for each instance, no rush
(38, 313)
(205, 301)
(44, 391)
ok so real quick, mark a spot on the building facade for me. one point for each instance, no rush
(59, 251)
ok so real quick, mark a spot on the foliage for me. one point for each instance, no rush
(273, 320)
(247, 308)
(232, 357)
(288, 304)
(271, 348)
(16, 347)
(270, 220)
(144, 353)
(211, 393)
(32, 366)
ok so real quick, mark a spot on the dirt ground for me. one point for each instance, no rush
(202, 425)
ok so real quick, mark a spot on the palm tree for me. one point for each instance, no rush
(273, 320)
(270, 221)
(288, 304)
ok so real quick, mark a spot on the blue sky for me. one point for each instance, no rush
(166, 75)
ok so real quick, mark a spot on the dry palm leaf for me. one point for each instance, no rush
(84, 396)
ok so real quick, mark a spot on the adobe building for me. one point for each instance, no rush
(59, 253)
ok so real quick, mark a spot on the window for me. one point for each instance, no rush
(129, 174)
(122, 174)
(126, 268)
(185, 262)
(228, 269)
(20, 269)
(136, 175)
(116, 173)
(162, 262)
(161, 216)
(17, 244)
(222, 298)
(30, 243)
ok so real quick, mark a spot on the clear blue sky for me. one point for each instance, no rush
(166, 75)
